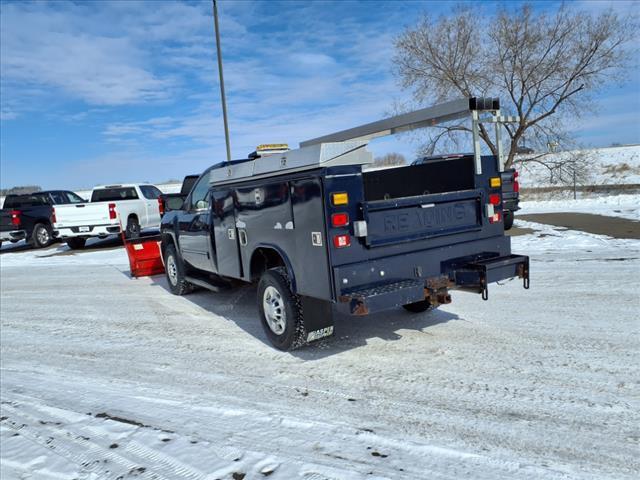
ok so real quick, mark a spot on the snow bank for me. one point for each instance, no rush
(608, 166)
(627, 206)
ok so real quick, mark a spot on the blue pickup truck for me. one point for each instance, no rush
(317, 232)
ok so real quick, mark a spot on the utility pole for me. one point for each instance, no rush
(222, 95)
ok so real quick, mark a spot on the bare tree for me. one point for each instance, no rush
(545, 68)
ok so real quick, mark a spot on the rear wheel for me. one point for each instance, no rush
(76, 243)
(41, 236)
(280, 310)
(174, 268)
(508, 219)
(418, 307)
(133, 228)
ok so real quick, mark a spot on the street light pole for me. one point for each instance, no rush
(222, 95)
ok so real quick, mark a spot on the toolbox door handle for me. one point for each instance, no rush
(242, 236)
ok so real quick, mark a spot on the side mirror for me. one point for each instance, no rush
(173, 203)
(201, 204)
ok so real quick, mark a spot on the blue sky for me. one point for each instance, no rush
(102, 92)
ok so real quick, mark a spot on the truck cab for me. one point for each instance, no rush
(318, 232)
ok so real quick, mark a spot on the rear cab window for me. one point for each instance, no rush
(114, 194)
(21, 201)
(150, 192)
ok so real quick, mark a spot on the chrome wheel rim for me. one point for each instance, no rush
(43, 236)
(172, 270)
(274, 312)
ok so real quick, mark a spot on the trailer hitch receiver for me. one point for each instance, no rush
(476, 275)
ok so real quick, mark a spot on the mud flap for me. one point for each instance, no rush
(317, 317)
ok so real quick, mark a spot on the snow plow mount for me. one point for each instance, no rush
(475, 276)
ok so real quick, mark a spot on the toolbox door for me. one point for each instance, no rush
(226, 233)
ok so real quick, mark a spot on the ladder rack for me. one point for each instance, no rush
(347, 147)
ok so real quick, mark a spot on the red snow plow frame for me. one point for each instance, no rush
(144, 255)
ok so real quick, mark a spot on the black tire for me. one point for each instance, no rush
(290, 333)
(133, 228)
(174, 269)
(418, 307)
(42, 235)
(76, 243)
(508, 219)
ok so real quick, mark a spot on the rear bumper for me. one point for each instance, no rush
(385, 283)
(87, 231)
(13, 235)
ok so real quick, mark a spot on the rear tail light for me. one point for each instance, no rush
(53, 215)
(515, 174)
(340, 219)
(160, 206)
(15, 217)
(112, 211)
(341, 241)
(495, 218)
(495, 182)
(494, 199)
(516, 186)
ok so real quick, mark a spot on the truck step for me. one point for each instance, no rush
(209, 282)
(379, 297)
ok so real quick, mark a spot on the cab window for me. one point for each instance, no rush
(73, 198)
(199, 194)
(150, 192)
(58, 198)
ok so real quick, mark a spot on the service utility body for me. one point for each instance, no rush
(316, 230)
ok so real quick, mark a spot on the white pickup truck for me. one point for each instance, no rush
(136, 206)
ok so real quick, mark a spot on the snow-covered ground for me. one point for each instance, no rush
(626, 206)
(607, 166)
(104, 376)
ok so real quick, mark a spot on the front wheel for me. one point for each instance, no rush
(174, 268)
(76, 243)
(280, 310)
(41, 236)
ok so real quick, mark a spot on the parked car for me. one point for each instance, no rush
(137, 206)
(30, 217)
(524, 150)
